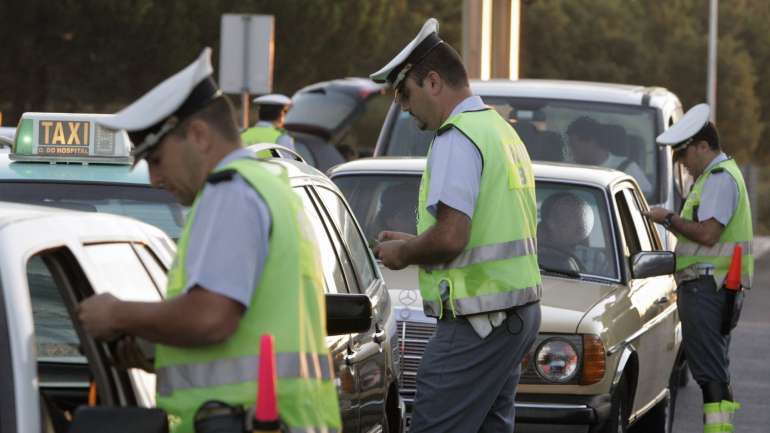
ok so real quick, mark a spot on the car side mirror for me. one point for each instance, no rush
(119, 420)
(347, 313)
(648, 264)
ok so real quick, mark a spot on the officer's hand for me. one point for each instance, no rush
(390, 253)
(657, 214)
(96, 315)
(387, 235)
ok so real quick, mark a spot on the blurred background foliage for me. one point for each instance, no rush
(98, 55)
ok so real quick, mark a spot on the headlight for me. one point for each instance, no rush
(556, 360)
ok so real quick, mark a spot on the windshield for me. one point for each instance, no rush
(616, 136)
(573, 221)
(152, 206)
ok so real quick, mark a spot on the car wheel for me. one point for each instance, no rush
(617, 422)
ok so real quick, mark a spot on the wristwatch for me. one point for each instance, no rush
(668, 220)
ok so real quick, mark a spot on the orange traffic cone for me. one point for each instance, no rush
(733, 279)
(734, 297)
(266, 419)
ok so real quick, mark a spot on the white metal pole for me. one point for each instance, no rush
(711, 81)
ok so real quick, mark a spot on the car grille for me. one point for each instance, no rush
(414, 336)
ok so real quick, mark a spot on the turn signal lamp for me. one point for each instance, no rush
(594, 360)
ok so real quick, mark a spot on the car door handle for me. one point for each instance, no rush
(662, 301)
(365, 351)
(379, 336)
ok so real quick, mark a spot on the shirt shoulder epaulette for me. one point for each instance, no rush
(221, 176)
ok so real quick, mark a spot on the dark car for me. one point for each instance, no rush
(323, 114)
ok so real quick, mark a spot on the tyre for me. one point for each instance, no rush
(617, 422)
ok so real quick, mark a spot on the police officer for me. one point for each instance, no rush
(237, 274)
(716, 216)
(475, 245)
(269, 128)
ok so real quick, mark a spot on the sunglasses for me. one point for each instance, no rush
(679, 153)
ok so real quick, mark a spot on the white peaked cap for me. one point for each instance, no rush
(272, 99)
(395, 71)
(690, 124)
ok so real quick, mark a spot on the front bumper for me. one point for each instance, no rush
(554, 410)
(555, 413)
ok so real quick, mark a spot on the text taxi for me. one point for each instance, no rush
(68, 160)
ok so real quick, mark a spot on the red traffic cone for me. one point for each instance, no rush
(266, 414)
(733, 279)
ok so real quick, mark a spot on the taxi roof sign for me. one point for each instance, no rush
(69, 137)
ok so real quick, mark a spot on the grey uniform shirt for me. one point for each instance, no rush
(719, 197)
(229, 238)
(455, 176)
(285, 140)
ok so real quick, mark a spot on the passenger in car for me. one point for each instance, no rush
(396, 212)
(591, 143)
(565, 225)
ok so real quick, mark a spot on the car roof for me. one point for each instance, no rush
(89, 223)
(573, 90)
(594, 175)
(72, 172)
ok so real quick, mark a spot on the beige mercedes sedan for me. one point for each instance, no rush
(608, 354)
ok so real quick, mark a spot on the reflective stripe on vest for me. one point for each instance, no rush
(485, 302)
(236, 370)
(737, 232)
(488, 253)
(498, 267)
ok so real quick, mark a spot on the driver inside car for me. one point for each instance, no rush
(565, 225)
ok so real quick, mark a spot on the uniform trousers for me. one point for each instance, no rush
(466, 383)
(700, 307)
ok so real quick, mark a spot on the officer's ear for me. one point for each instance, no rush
(199, 134)
(433, 83)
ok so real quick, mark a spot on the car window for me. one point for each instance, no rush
(334, 277)
(157, 272)
(150, 205)
(55, 335)
(121, 272)
(633, 245)
(573, 230)
(359, 251)
(627, 132)
(640, 222)
(382, 202)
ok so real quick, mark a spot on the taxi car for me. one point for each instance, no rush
(68, 161)
(608, 353)
(50, 259)
(629, 117)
